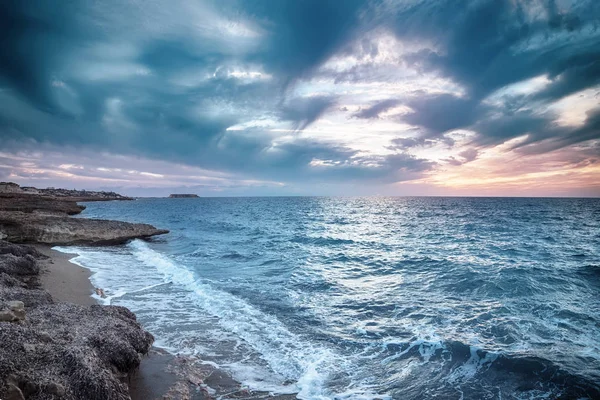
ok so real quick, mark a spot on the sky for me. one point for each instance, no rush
(313, 97)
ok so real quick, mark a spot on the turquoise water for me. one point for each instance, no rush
(365, 298)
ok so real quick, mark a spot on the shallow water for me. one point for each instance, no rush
(352, 298)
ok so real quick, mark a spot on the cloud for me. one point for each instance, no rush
(376, 109)
(302, 34)
(441, 113)
(590, 130)
(405, 143)
(304, 111)
(469, 154)
(464, 157)
(493, 44)
(263, 90)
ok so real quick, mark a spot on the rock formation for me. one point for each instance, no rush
(66, 194)
(19, 227)
(44, 205)
(54, 350)
(44, 218)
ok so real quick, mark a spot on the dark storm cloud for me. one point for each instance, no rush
(77, 75)
(442, 113)
(304, 33)
(376, 109)
(491, 44)
(167, 81)
(404, 143)
(304, 111)
(559, 137)
(463, 157)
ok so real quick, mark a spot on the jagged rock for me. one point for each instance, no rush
(16, 305)
(31, 228)
(28, 347)
(8, 316)
(20, 314)
(64, 350)
(55, 389)
(30, 295)
(14, 393)
(13, 311)
(19, 276)
(28, 203)
(18, 265)
(41, 216)
(18, 250)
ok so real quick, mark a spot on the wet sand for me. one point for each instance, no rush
(69, 282)
(64, 280)
(160, 375)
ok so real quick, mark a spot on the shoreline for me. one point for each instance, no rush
(161, 375)
(40, 222)
(70, 282)
(65, 280)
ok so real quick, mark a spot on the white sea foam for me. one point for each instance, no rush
(474, 364)
(287, 354)
(130, 281)
(290, 357)
(135, 275)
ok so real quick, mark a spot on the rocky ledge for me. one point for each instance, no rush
(66, 194)
(43, 217)
(43, 205)
(22, 227)
(52, 350)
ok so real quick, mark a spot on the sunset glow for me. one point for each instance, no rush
(348, 98)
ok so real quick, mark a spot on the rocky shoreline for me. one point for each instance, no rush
(43, 217)
(54, 350)
(19, 227)
(60, 350)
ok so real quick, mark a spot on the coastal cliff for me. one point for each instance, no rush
(43, 216)
(49, 349)
(22, 227)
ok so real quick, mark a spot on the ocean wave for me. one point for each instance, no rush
(461, 297)
(467, 369)
(321, 240)
(287, 353)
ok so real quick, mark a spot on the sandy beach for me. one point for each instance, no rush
(161, 375)
(51, 280)
(65, 280)
(69, 282)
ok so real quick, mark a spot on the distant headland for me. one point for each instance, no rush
(42, 216)
(182, 195)
(8, 188)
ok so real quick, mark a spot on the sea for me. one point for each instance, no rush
(368, 297)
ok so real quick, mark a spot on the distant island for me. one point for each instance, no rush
(182, 195)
